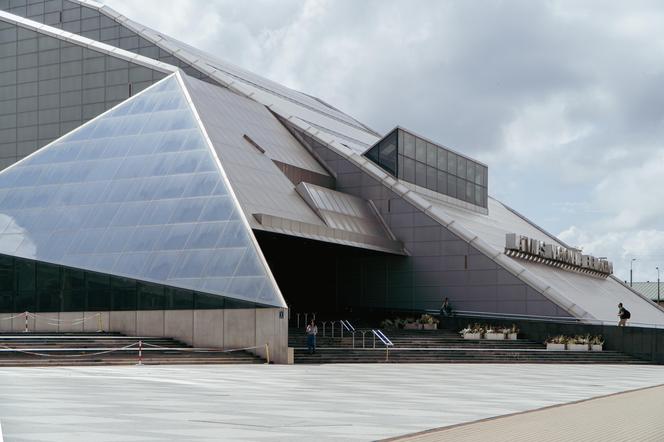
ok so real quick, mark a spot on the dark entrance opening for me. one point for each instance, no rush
(320, 277)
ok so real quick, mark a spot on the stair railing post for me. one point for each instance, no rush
(306, 319)
(332, 326)
(298, 320)
(374, 340)
(341, 326)
(324, 322)
(353, 338)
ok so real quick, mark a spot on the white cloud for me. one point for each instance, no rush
(562, 99)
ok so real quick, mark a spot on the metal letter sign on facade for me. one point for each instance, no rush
(519, 246)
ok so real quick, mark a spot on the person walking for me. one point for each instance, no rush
(446, 308)
(312, 331)
(623, 314)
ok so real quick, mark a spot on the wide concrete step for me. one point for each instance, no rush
(50, 349)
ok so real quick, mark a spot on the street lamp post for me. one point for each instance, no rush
(630, 271)
(657, 285)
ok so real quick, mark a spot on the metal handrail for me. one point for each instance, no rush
(381, 336)
(347, 325)
(385, 340)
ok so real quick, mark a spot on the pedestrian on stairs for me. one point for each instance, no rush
(312, 331)
(446, 308)
(623, 314)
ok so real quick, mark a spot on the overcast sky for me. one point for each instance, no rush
(564, 100)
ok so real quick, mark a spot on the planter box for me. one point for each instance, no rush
(494, 336)
(412, 326)
(472, 336)
(577, 347)
(555, 347)
(512, 336)
(429, 326)
(596, 347)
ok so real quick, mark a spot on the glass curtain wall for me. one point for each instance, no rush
(425, 164)
(27, 285)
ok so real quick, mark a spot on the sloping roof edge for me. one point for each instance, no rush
(231, 191)
(88, 43)
(224, 78)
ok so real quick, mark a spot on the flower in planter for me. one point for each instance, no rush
(580, 340)
(560, 339)
(428, 319)
(596, 340)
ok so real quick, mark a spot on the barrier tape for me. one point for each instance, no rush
(199, 350)
(133, 346)
(73, 321)
(45, 355)
(9, 318)
(55, 321)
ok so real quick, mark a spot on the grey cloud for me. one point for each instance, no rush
(563, 99)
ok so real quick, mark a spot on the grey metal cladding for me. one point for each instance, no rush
(52, 85)
(440, 263)
(260, 185)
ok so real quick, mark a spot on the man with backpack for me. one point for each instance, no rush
(623, 314)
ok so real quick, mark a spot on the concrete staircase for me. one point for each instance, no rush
(441, 346)
(86, 349)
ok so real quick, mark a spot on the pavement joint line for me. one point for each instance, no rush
(405, 437)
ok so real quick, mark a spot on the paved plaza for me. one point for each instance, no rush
(328, 402)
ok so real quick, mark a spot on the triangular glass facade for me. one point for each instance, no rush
(135, 193)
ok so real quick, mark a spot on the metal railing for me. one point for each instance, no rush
(385, 340)
(305, 316)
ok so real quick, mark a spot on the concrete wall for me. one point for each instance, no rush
(226, 329)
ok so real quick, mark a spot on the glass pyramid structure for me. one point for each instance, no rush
(138, 193)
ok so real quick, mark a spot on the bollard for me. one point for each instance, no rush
(26, 323)
(140, 353)
(267, 353)
(100, 327)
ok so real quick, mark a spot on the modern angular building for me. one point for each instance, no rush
(181, 195)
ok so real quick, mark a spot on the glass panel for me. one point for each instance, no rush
(408, 172)
(420, 150)
(432, 155)
(451, 163)
(432, 178)
(451, 185)
(135, 193)
(408, 145)
(461, 167)
(420, 174)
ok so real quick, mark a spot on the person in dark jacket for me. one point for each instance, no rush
(623, 314)
(446, 308)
